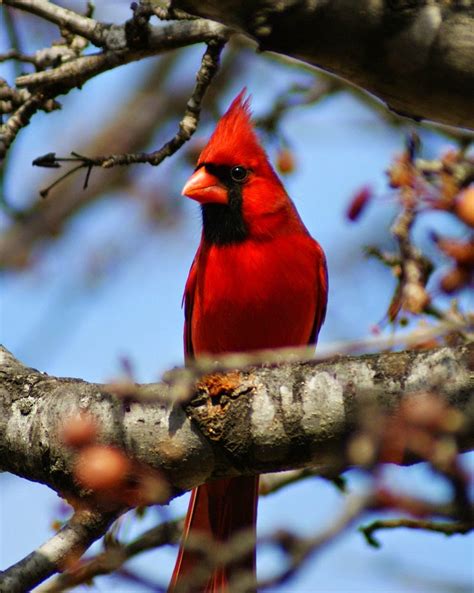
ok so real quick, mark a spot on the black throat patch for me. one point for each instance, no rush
(223, 224)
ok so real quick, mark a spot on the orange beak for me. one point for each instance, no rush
(204, 187)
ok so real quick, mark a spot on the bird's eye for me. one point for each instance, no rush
(238, 173)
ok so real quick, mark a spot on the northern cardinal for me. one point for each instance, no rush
(258, 281)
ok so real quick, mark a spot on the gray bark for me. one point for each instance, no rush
(75, 537)
(416, 56)
(264, 419)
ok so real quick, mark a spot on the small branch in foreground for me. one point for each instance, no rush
(115, 556)
(446, 527)
(187, 126)
(68, 543)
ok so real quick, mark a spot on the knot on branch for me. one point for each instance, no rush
(213, 402)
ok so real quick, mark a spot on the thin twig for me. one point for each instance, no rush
(189, 122)
(446, 527)
(154, 103)
(132, 41)
(186, 128)
(270, 483)
(299, 96)
(182, 381)
(14, 54)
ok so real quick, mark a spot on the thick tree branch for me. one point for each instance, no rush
(302, 414)
(260, 420)
(415, 56)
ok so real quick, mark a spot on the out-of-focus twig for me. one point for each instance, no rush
(270, 483)
(300, 550)
(299, 96)
(415, 268)
(445, 527)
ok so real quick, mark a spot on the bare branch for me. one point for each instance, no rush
(113, 558)
(65, 546)
(301, 550)
(14, 54)
(120, 44)
(21, 118)
(445, 527)
(298, 551)
(187, 125)
(415, 56)
(64, 18)
(152, 105)
(261, 420)
(296, 415)
(77, 72)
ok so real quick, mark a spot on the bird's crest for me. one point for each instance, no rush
(234, 140)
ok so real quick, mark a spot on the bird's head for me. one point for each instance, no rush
(233, 180)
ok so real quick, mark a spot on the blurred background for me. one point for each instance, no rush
(92, 279)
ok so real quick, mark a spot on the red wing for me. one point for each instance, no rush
(188, 302)
(321, 296)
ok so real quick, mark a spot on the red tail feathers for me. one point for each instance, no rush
(219, 510)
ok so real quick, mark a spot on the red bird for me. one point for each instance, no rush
(258, 281)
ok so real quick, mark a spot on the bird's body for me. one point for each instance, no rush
(254, 295)
(258, 281)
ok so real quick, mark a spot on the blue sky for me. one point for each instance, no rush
(61, 319)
